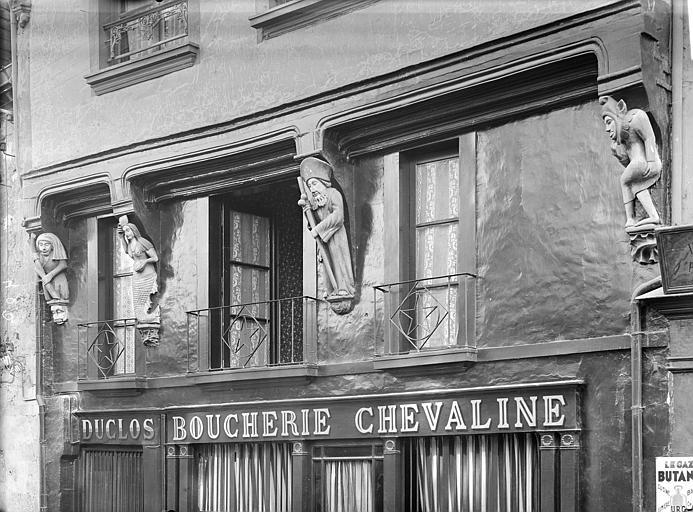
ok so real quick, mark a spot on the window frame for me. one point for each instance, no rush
(399, 188)
(105, 78)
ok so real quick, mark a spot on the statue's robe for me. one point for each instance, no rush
(332, 232)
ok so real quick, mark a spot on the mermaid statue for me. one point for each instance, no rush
(144, 281)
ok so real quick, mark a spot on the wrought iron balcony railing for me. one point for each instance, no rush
(254, 335)
(141, 33)
(423, 314)
(107, 349)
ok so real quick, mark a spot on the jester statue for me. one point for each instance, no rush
(633, 144)
(50, 263)
(144, 280)
(323, 207)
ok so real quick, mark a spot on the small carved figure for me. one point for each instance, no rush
(144, 280)
(633, 144)
(50, 263)
(328, 229)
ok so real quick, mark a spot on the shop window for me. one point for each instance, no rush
(141, 39)
(429, 299)
(348, 477)
(110, 480)
(476, 472)
(256, 280)
(234, 477)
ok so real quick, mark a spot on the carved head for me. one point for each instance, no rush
(48, 243)
(613, 113)
(130, 231)
(314, 168)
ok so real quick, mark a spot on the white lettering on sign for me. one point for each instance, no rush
(552, 411)
(358, 420)
(112, 429)
(445, 415)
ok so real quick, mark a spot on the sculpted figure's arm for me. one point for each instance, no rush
(152, 257)
(334, 220)
(640, 124)
(48, 276)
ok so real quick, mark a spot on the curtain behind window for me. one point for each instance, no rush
(349, 486)
(111, 481)
(489, 473)
(243, 477)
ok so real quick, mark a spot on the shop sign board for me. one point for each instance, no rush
(405, 414)
(119, 428)
(674, 484)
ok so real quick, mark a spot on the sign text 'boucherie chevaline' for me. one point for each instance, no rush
(405, 414)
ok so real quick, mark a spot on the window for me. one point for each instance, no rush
(476, 472)
(348, 477)
(234, 477)
(256, 278)
(144, 27)
(110, 480)
(110, 337)
(429, 296)
(137, 40)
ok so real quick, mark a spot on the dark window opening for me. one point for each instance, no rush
(256, 277)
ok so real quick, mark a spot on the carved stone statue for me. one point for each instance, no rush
(50, 263)
(633, 144)
(323, 206)
(144, 280)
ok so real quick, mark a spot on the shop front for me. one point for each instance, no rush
(512, 447)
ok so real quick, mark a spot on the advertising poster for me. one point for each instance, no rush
(674, 484)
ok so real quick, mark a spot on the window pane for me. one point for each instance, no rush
(122, 263)
(436, 250)
(436, 315)
(437, 190)
(122, 297)
(250, 239)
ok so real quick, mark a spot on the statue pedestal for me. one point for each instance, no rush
(341, 304)
(643, 244)
(58, 310)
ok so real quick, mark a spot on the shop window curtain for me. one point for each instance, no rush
(476, 473)
(111, 481)
(349, 486)
(244, 477)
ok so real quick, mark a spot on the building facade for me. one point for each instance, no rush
(365, 255)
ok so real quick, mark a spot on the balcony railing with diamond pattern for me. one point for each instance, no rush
(141, 33)
(422, 314)
(271, 333)
(107, 349)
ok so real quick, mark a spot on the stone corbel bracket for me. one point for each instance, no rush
(21, 9)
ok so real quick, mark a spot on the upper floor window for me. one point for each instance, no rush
(137, 40)
(144, 27)
(429, 298)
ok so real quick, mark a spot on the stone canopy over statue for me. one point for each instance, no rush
(323, 206)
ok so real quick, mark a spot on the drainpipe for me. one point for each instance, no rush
(637, 335)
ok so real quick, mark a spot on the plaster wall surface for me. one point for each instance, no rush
(235, 75)
(19, 423)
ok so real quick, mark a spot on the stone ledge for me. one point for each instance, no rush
(300, 13)
(133, 72)
(114, 386)
(443, 356)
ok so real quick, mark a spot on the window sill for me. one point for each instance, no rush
(126, 74)
(300, 13)
(411, 360)
(114, 386)
(256, 376)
